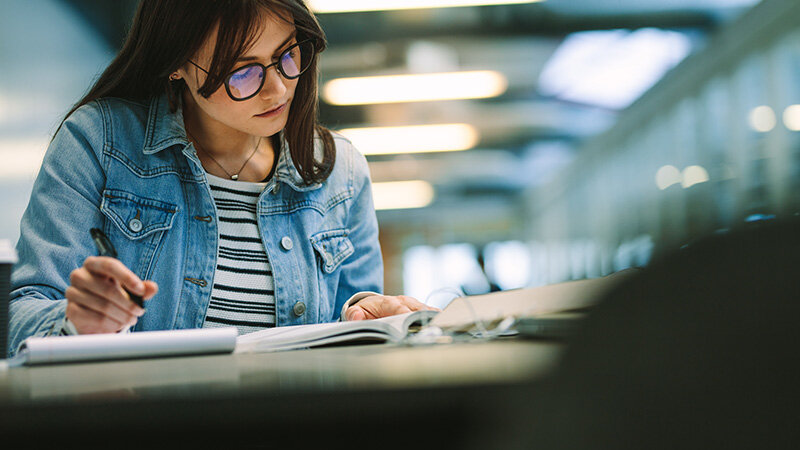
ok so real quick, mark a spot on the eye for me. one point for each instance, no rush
(242, 72)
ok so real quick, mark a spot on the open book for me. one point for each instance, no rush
(464, 312)
(459, 316)
(386, 329)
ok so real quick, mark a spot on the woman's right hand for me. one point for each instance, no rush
(96, 300)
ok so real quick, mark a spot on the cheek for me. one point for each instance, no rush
(291, 87)
(220, 98)
(222, 107)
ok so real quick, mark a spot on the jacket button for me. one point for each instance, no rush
(299, 308)
(328, 259)
(135, 225)
(286, 243)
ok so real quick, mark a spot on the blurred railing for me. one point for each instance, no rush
(713, 145)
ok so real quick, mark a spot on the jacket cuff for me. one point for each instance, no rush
(353, 300)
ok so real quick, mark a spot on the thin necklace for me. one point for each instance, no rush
(235, 176)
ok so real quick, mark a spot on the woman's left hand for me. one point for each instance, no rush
(377, 306)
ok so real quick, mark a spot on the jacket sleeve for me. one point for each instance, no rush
(54, 230)
(363, 270)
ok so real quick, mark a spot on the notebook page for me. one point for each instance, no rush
(145, 344)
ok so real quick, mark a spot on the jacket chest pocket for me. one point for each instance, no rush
(332, 247)
(134, 216)
(139, 225)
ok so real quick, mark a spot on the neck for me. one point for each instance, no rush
(214, 137)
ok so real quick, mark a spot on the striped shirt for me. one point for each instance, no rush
(243, 294)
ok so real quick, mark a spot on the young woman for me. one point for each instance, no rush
(198, 153)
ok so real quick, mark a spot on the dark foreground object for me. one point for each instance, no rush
(699, 350)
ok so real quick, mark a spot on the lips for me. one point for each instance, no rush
(273, 110)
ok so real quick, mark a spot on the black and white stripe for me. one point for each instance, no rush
(243, 294)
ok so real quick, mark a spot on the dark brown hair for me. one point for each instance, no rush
(167, 33)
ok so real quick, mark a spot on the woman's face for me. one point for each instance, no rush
(277, 92)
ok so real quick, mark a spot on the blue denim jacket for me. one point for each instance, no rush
(128, 169)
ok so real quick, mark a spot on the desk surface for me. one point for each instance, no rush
(234, 390)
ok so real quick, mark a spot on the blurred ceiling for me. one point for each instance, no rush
(526, 133)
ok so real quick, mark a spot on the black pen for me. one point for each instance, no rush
(104, 248)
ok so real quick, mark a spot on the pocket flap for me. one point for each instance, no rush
(333, 247)
(136, 216)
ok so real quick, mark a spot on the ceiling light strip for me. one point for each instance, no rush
(415, 88)
(402, 194)
(339, 6)
(413, 139)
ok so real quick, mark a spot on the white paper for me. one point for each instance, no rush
(386, 329)
(145, 344)
(302, 336)
(463, 312)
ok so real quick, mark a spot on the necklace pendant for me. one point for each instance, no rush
(235, 177)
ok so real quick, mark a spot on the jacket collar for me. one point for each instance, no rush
(166, 129)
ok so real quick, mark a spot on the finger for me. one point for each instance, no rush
(98, 323)
(412, 303)
(114, 268)
(104, 287)
(355, 313)
(99, 305)
(389, 306)
(362, 311)
(376, 307)
(89, 321)
(151, 289)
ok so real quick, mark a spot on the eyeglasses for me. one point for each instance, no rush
(245, 82)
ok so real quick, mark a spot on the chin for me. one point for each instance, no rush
(269, 130)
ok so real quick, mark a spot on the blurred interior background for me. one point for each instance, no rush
(510, 145)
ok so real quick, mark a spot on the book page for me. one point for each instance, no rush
(402, 322)
(301, 336)
(463, 312)
(387, 329)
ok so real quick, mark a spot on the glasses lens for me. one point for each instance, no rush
(296, 59)
(246, 81)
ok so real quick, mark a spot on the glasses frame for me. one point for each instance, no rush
(264, 69)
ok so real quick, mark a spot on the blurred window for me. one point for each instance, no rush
(612, 68)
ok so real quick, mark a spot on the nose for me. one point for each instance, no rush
(274, 87)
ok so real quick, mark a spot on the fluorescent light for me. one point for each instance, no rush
(791, 117)
(336, 6)
(402, 194)
(414, 88)
(667, 176)
(762, 119)
(413, 139)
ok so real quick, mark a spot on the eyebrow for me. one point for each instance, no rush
(255, 58)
